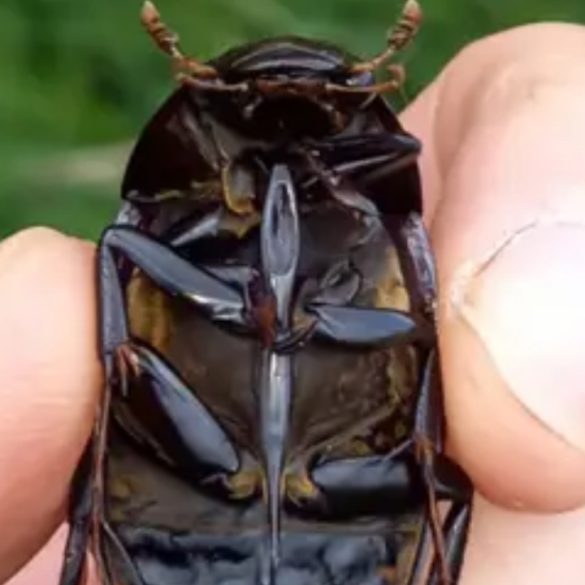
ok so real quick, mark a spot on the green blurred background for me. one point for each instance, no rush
(78, 79)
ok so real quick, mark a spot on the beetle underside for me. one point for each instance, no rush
(273, 412)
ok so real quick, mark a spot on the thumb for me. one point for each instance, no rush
(507, 181)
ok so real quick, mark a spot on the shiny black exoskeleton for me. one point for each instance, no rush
(273, 413)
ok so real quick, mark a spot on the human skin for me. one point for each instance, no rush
(503, 170)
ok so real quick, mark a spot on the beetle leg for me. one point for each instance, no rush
(334, 161)
(443, 479)
(400, 35)
(373, 480)
(172, 273)
(201, 191)
(85, 512)
(419, 262)
(214, 224)
(205, 441)
(126, 573)
(345, 155)
(74, 562)
(455, 527)
(357, 325)
(198, 434)
(338, 186)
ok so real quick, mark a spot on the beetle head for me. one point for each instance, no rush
(289, 83)
(265, 77)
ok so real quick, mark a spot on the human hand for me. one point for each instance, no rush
(503, 169)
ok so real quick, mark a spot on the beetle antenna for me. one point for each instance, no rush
(398, 37)
(168, 42)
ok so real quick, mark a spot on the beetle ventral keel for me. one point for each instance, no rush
(280, 247)
(273, 409)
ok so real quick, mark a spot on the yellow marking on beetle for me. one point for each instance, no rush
(238, 198)
(244, 484)
(149, 312)
(388, 574)
(299, 487)
(391, 292)
(120, 488)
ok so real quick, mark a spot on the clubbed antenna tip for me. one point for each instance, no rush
(149, 13)
(413, 11)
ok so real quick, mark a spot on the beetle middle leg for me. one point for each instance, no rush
(172, 273)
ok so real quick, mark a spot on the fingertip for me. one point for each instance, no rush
(511, 333)
(512, 458)
(505, 128)
(46, 566)
(50, 382)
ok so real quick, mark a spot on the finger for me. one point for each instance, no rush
(504, 128)
(50, 382)
(45, 567)
(524, 549)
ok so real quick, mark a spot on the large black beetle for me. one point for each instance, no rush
(272, 413)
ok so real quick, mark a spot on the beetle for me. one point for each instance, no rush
(272, 411)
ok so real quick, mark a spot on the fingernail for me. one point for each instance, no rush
(526, 302)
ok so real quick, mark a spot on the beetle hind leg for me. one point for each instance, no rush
(455, 528)
(73, 570)
(443, 480)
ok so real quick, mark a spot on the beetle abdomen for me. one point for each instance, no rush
(344, 485)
